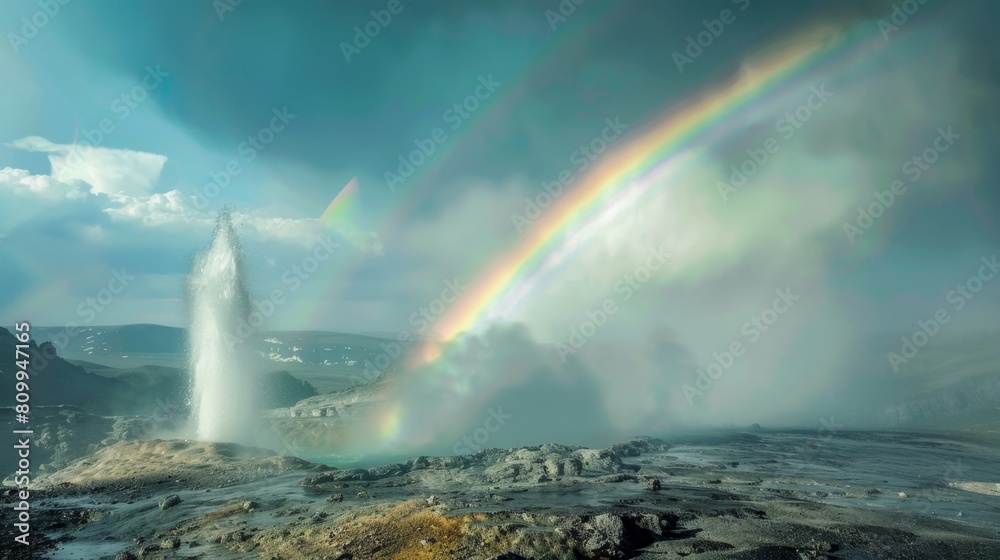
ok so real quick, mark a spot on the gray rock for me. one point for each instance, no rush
(233, 537)
(607, 533)
(170, 501)
(572, 467)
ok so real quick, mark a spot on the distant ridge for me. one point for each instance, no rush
(53, 380)
(146, 338)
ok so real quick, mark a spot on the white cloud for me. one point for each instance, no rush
(172, 209)
(303, 231)
(121, 184)
(115, 181)
(21, 182)
(168, 208)
(107, 170)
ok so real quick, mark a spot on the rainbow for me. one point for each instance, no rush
(659, 151)
(414, 192)
(631, 167)
(344, 205)
(574, 35)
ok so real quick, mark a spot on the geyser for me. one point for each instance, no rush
(222, 396)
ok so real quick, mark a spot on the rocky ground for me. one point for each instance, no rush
(103, 487)
(723, 495)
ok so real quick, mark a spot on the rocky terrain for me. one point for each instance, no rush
(63, 434)
(118, 487)
(953, 388)
(717, 495)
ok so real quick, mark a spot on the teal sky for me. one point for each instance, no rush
(132, 204)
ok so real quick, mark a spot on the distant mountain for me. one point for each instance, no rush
(53, 380)
(155, 389)
(125, 339)
(158, 388)
(277, 389)
(315, 348)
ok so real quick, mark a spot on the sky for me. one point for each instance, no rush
(126, 128)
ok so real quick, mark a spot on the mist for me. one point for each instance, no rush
(752, 312)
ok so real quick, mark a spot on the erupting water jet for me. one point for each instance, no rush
(222, 391)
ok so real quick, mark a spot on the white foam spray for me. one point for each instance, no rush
(222, 402)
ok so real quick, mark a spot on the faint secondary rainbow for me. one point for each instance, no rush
(678, 130)
(586, 24)
(344, 205)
